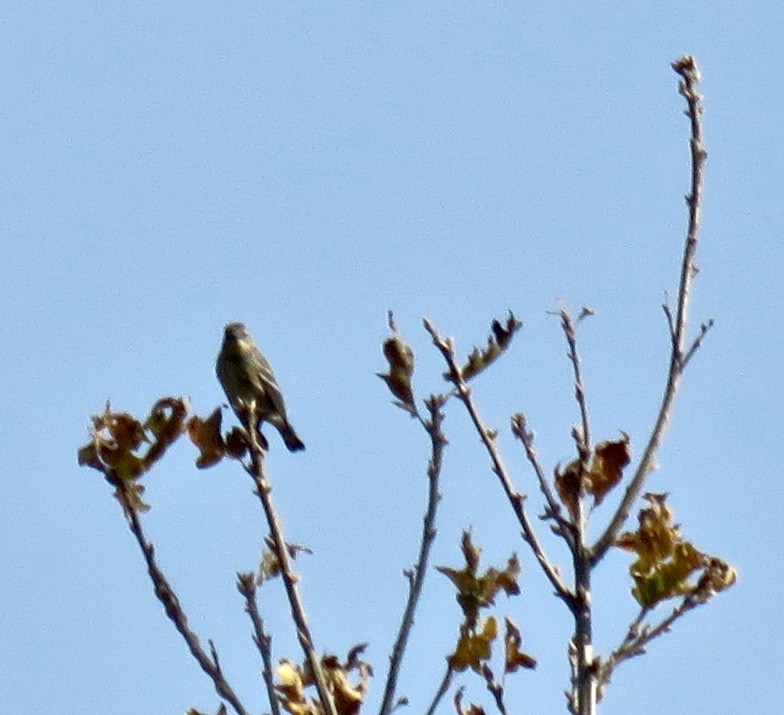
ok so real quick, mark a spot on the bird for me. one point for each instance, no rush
(250, 385)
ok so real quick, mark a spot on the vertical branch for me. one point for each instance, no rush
(584, 671)
(686, 67)
(264, 492)
(246, 584)
(583, 437)
(417, 576)
(583, 696)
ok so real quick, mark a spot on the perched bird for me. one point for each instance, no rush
(249, 383)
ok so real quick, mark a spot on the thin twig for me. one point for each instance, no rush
(697, 342)
(496, 690)
(246, 584)
(583, 436)
(563, 526)
(171, 603)
(516, 499)
(442, 690)
(584, 680)
(438, 441)
(264, 492)
(639, 635)
(686, 67)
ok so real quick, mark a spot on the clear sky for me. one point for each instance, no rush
(304, 167)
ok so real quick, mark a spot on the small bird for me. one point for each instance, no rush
(250, 384)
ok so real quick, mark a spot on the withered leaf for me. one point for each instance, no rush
(206, 435)
(514, 657)
(609, 459)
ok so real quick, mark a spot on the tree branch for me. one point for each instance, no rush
(246, 584)
(166, 595)
(264, 492)
(417, 575)
(686, 67)
(563, 527)
(639, 635)
(516, 499)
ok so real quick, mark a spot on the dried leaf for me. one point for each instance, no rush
(567, 485)
(474, 647)
(665, 562)
(206, 435)
(294, 680)
(237, 444)
(717, 577)
(401, 369)
(609, 459)
(471, 552)
(165, 424)
(497, 343)
(291, 690)
(514, 657)
(476, 591)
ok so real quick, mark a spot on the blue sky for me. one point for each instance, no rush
(304, 167)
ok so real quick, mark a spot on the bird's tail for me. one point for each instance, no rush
(293, 442)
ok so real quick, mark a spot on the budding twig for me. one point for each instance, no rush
(686, 67)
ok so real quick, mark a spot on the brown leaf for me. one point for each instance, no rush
(206, 435)
(401, 369)
(656, 536)
(471, 553)
(474, 647)
(165, 423)
(567, 485)
(717, 577)
(609, 459)
(665, 563)
(497, 343)
(476, 591)
(116, 446)
(237, 444)
(515, 658)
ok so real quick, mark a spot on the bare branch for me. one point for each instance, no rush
(583, 695)
(639, 635)
(496, 689)
(686, 67)
(278, 542)
(246, 584)
(553, 509)
(516, 499)
(704, 328)
(583, 436)
(438, 441)
(166, 595)
(442, 689)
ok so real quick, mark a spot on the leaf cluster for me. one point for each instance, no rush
(476, 592)
(347, 681)
(604, 472)
(665, 562)
(123, 449)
